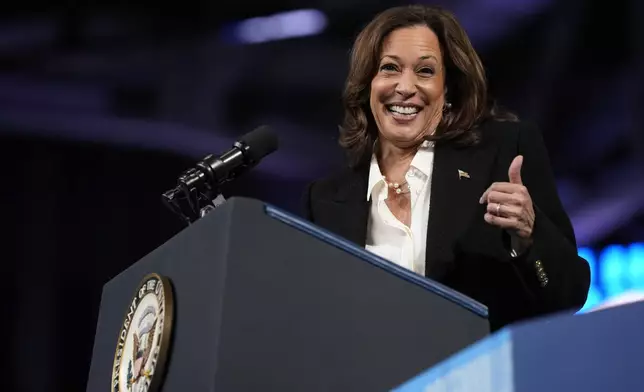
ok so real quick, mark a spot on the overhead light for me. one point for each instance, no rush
(284, 25)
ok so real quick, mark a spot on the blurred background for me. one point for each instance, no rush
(103, 105)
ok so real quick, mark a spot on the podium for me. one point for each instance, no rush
(258, 299)
(592, 352)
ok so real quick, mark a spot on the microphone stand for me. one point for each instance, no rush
(193, 197)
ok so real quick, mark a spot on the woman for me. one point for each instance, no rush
(440, 181)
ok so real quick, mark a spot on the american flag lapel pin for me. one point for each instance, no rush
(463, 174)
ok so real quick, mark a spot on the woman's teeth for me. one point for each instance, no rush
(408, 110)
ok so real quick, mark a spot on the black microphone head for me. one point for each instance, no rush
(260, 142)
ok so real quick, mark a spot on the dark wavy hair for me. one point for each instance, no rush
(465, 81)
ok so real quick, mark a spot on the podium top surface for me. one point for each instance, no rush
(375, 260)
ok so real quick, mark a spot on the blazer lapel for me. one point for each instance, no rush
(347, 213)
(459, 178)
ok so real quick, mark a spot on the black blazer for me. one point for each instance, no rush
(465, 252)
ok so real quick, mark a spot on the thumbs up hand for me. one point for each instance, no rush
(514, 173)
(509, 206)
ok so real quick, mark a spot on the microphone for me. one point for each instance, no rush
(213, 170)
(201, 183)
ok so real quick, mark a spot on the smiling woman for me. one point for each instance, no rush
(413, 48)
(439, 181)
(408, 90)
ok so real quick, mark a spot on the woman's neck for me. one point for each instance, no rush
(395, 161)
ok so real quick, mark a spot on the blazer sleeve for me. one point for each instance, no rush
(557, 277)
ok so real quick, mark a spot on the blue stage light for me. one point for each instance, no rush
(615, 269)
(283, 25)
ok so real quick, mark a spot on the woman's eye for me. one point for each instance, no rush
(426, 70)
(388, 67)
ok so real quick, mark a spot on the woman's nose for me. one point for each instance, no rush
(406, 85)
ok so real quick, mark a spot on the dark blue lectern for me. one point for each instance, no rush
(601, 351)
(264, 301)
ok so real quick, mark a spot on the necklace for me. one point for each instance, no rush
(398, 188)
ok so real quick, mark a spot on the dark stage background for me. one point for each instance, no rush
(102, 107)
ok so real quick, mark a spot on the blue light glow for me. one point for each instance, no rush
(614, 270)
(284, 25)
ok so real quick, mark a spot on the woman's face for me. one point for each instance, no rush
(407, 93)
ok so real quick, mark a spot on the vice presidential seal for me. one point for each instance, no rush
(144, 338)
